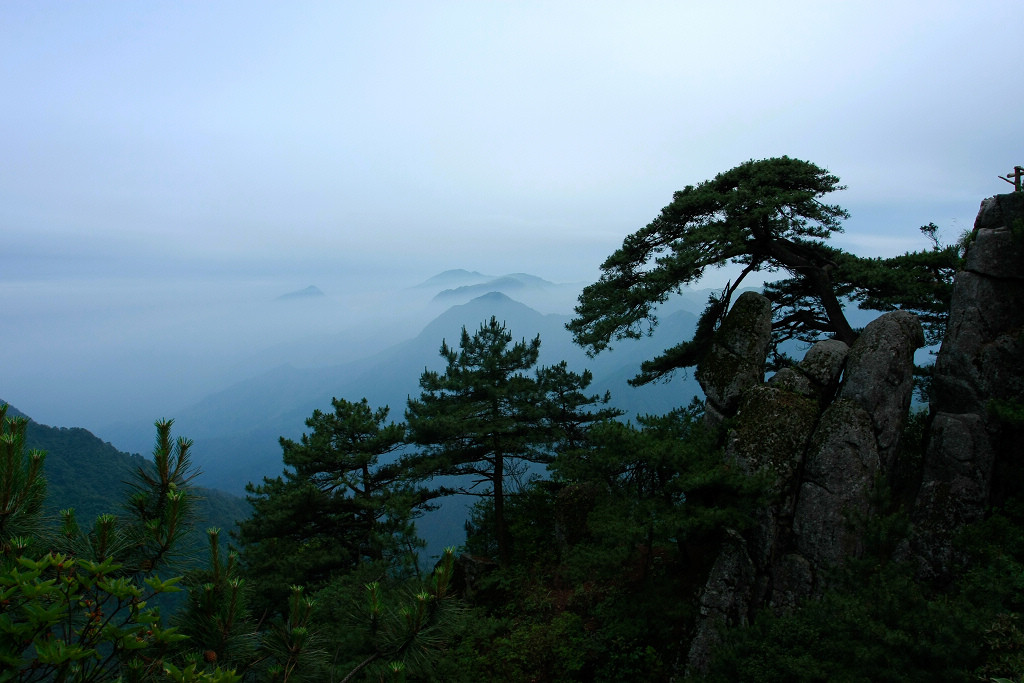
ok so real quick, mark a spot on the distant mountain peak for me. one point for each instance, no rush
(526, 277)
(458, 272)
(308, 292)
(505, 283)
(455, 276)
(493, 298)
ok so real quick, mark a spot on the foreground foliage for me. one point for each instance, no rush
(80, 605)
(85, 604)
(610, 554)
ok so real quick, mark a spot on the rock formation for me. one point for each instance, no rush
(974, 451)
(821, 444)
(855, 440)
(824, 444)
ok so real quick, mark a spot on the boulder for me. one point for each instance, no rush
(837, 479)
(724, 602)
(817, 375)
(824, 444)
(855, 439)
(879, 375)
(997, 247)
(771, 433)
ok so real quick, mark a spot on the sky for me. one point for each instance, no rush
(165, 167)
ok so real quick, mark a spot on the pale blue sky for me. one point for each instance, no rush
(258, 135)
(332, 142)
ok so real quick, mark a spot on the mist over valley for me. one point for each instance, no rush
(240, 365)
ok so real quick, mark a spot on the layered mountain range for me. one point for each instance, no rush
(236, 430)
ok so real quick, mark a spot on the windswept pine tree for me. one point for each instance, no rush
(765, 216)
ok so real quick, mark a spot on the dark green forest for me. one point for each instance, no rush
(593, 543)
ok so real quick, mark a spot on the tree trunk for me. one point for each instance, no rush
(833, 309)
(801, 261)
(499, 510)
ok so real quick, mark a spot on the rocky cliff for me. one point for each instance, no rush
(974, 452)
(825, 433)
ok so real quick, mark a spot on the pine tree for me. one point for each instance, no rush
(22, 487)
(567, 408)
(486, 420)
(767, 216)
(479, 419)
(344, 499)
(216, 617)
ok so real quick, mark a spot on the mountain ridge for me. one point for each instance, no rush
(310, 292)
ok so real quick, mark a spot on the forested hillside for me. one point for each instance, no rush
(90, 475)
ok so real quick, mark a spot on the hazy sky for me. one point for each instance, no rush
(151, 147)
